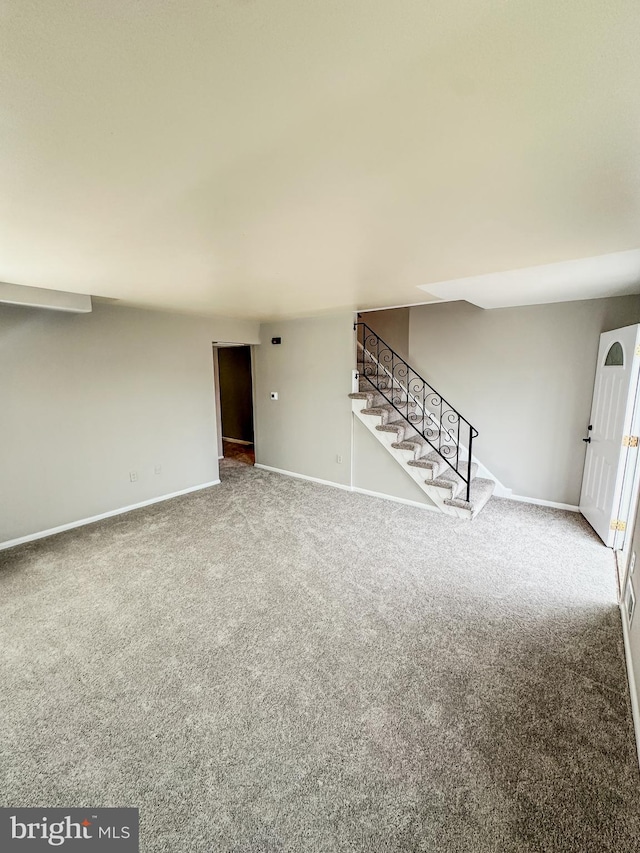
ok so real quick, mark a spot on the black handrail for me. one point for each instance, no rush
(438, 421)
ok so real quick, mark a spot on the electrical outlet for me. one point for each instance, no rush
(133, 476)
(632, 564)
(339, 459)
(157, 469)
(630, 602)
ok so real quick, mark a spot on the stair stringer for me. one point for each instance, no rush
(500, 491)
(436, 495)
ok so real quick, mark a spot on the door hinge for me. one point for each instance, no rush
(630, 441)
(638, 350)
(618, 525)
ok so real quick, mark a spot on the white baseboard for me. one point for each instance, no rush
(521, 498)
(539, 502)
(344, 487)
(235, 440)
(393, 498)
(633, 685)
(303, 477)
(31, 537)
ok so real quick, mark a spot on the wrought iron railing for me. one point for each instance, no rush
(434, 418)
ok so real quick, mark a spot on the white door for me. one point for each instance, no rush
(609, 436)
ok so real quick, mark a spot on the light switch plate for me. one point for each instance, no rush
(630, 601)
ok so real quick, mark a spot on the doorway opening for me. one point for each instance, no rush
(234, 404)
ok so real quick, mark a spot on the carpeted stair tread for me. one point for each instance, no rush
(385, 412)
(378, 381)
(400, 426)
(378, 388)
(370, 367)
(420, 445)
(431, 462)
(390, 395)
(374, 380)
(400, 412)
(374, 398)
(406, 411)
(451, 480)
(391, 411)
(417, 443)
(383, 408)
(366, 386)
(481, 491)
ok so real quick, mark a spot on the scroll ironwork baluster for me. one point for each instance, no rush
(416, 392)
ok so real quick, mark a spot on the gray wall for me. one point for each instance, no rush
(310, 424)
(392, 326)
(377, 471)
(524, 378)
(85, 399)
(634, 632)
(236, 392)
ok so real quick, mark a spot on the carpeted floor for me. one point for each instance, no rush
(273, 665)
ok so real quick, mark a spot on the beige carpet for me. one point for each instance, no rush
(273, 665)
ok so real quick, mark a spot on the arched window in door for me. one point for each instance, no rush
(615, 356)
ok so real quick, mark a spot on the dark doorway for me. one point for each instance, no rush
(236, 403)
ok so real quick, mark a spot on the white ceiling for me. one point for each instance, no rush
(255, 158)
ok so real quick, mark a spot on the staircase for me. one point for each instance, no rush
(424, 433)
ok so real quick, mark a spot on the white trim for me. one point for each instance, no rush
(633, 687)
(11, 543)
(254, 408)
(346, 488)
(540, 502)
(216, 398)
(235, 440)
(430, 507)
(403, 305)
(302, 477)
(220, 457)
